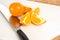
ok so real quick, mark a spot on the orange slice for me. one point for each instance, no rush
(25, 20)
(36, 10)
(36, 20)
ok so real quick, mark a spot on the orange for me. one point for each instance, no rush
(25, 20)
(16, 9)
(37, 10)
(27, 9)
(14, 21)
(34, 17)
(36, 20)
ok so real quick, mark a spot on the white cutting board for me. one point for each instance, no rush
(47, 31)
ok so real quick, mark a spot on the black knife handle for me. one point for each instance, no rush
(22, 34)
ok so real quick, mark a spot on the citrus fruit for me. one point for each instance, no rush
(36, 20)
(25, 20)
(27, 9)
(16, 9)
(14, 21)
(36, 10)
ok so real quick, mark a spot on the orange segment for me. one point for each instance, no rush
(36, 10)
(25, 20)
(36, 20)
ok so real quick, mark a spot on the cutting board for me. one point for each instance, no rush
(47, 31)
(55, 2)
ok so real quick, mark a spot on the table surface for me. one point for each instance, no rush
(55, 2)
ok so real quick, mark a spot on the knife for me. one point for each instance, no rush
(20, 33)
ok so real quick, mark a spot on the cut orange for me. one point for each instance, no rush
(27, 9)
(25, 20)
(36, 10)
(36, 20)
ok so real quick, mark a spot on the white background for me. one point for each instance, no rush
(47, 31)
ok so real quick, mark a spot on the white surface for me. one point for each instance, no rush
(6, 31)
(46, 31)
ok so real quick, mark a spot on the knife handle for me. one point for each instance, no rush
(22, 35)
